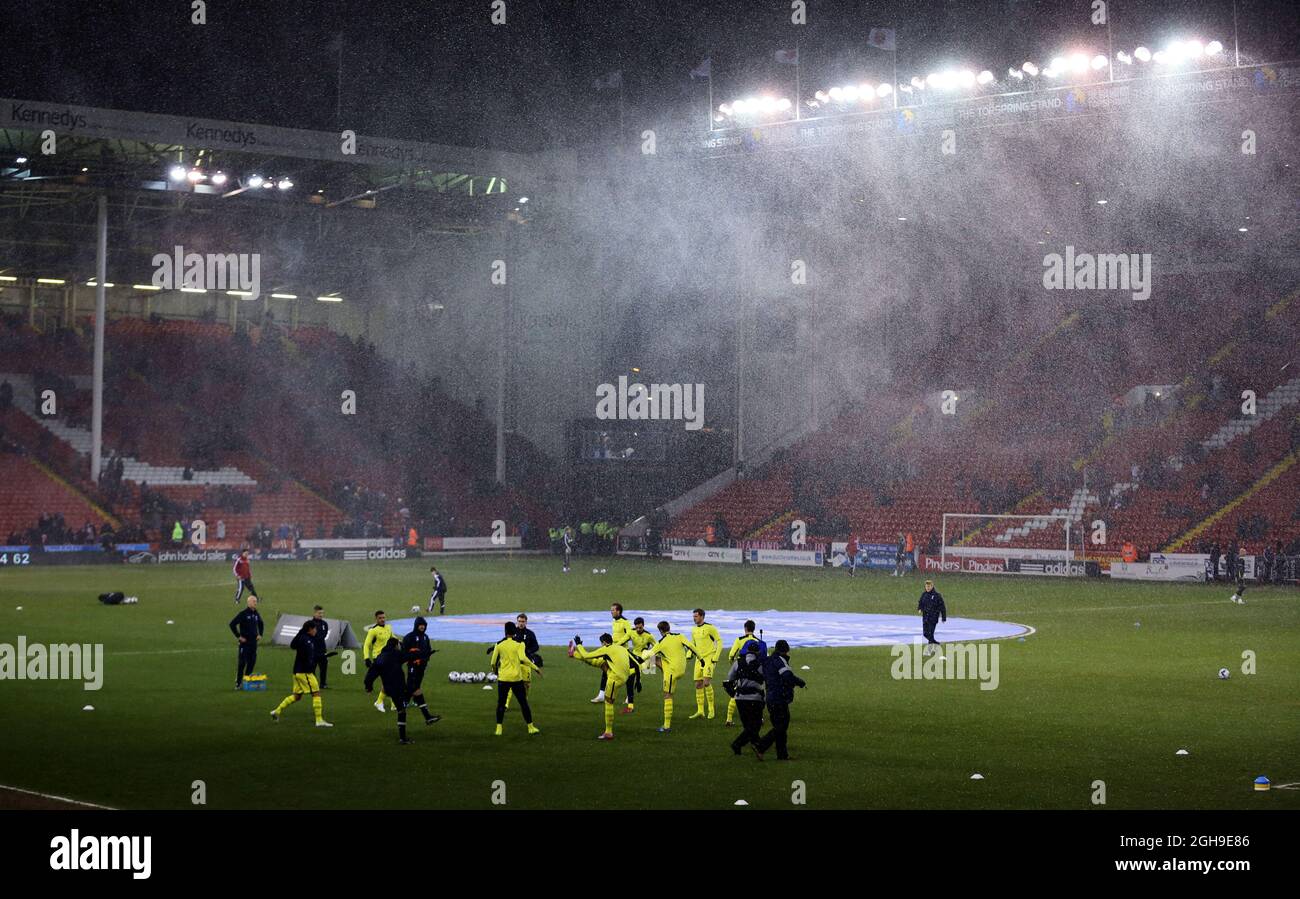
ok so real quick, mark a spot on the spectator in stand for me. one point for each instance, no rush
(1270, 559)
(1129, 552)
(6, 395)
(221, 529)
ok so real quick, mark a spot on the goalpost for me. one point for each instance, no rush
(1037, 544)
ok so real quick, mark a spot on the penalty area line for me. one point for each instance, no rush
(53, 798)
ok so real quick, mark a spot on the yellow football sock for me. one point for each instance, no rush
(288, 701)
(382, 697)
(498, 730)
(609, 717)
(318, 708)
(731, 710)
(668, 712)
(708, 697)
(510, 694)
(699, 700)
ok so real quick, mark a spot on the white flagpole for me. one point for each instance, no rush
(895, 55)
(1236, 44)
(797, 86)
(709, 79)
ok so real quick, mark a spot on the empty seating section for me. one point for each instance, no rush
(1042, 410)
(192, 409)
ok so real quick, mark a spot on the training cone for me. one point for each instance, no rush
(88, 708)
(1182, 752)
(1262, 784)
(977, 777)
(741, 802)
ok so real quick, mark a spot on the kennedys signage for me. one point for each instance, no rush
(267, 140)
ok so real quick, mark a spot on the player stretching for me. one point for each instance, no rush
(510, 663)
(416, 653)
(731, 657)
(304, 677)
(931, 608)
(377, 638)
(622, 633)
(641, 640)
(388, 667)
(617, 664)
(439, 594)
(709, 641)
(525, 635)
(673, 647)
(243, 576)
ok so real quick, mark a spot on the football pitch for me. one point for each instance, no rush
(1114, 680)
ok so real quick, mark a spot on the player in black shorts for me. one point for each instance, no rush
(415, 653)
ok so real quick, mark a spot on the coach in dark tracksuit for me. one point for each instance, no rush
(416, 652)
(780, 680)
(745, 680)
(932, 610)
(247, 626)
(388, 667)
(322, 631)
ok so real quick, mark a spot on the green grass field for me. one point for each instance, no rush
(1089, 697)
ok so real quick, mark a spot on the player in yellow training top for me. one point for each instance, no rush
(616, 662)
(377, 638)
(510, 661)
(673, 647)
(731, 657)
(709, 642)
(641, 640)
(620, 629)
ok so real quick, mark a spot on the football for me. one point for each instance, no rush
(1223, 674)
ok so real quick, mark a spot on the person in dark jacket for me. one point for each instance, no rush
(416, 653)
(247, 627)
(304, 675)
(322, 652)
(744, 684)
(779, 680)
(525, 635)
(932, 610)
(388, 667)
(1215, 552)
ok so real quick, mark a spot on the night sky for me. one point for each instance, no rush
(440, 71)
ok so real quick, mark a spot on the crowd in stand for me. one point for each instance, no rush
(53, 530)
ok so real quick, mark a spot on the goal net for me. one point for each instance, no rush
(1010, 544)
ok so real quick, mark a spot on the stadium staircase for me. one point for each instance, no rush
(1275, 473)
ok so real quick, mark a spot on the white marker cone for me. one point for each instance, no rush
(741, 802)
(1182, 752)
(88, 708)
(977, 777)
(805, 668)
(169, 621)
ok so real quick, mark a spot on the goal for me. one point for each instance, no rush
(1009, 544)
